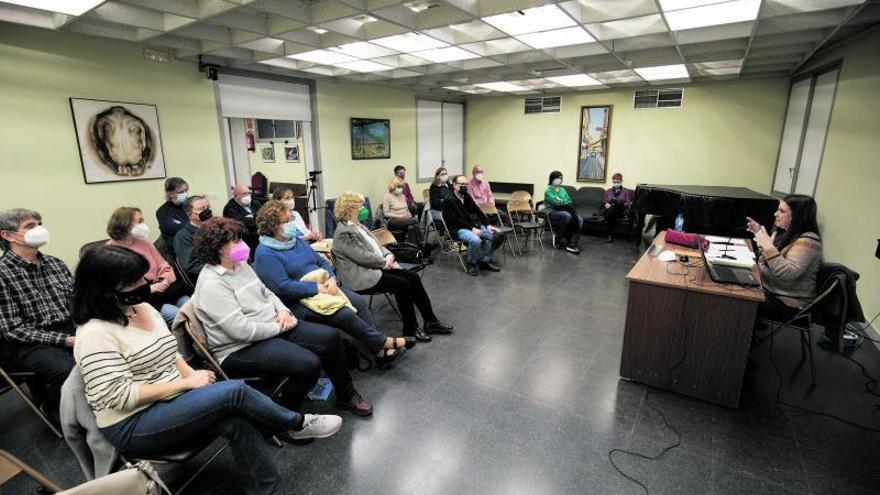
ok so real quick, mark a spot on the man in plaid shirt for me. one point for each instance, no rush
(36, 330)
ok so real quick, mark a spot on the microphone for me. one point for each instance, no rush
(724, 254)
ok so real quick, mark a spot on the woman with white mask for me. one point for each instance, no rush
(286, 197)
(127, 229)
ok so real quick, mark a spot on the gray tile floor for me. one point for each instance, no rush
(525, 398)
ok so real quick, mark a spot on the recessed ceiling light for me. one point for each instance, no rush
(363, 49)
(410, 42)
(440, 55)
(531, 20)
(364, 66)
(501, 86)
(713, 14)
(364, 18)
(558, 37)
(69, 7)
(325, 57)
(317, 29)
(576, 80)
(420, 5)
(663, 72)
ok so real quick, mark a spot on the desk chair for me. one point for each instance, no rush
(523, 218)
(13, 380)
(489, 210)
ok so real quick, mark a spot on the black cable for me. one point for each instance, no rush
(870, 381)
(656, 457)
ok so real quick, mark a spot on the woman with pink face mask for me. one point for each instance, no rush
(127, 229)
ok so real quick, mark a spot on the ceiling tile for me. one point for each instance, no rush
(715, 33)
(608, 10)
(626, 28)
(642, 42)
(773, 8)
(469, 32)
(801, 22)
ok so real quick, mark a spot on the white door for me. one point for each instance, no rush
(453, 138)
(817, 127)
(429, 137)
(790, 148)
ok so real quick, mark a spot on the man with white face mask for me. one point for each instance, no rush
(36, 329)
(481, 191)
(242, 207)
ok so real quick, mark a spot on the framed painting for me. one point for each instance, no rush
(267, 153)
(370, 139)
(595, 129)
(291, 154)
(118, 141)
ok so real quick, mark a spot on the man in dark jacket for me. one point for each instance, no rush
(243, 207)
(171, 215)
(469, 224)
(198, 210)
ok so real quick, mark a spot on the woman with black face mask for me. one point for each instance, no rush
(147, 400)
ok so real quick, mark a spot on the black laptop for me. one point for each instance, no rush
(723, 274)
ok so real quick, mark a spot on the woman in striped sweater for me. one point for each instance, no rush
(147, 400)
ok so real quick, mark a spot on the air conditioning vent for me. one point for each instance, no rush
(658, 98)
(277, 129)
(543, 104)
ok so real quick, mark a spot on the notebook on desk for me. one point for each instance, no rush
(723, 274)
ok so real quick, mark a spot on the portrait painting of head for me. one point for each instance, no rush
(593, 143)
(291, 154)
(118, 141)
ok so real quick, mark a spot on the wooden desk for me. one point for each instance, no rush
(685, 333)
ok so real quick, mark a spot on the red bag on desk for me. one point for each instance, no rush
(686, 239)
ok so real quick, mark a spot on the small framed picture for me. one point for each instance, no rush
(291, 154)
(267, 152)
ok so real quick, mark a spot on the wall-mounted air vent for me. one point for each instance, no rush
(658, 98)
(543, 104)
(277, 129)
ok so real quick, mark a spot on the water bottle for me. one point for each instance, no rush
(679, 223)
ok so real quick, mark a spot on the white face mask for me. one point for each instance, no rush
(444, 178)
(398, 191)
(140, 231)
(289, 203)
(246, 200)
(557, 181)
(36, 237)
(479, 176)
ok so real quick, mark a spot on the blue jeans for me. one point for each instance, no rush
(566, 226)
(478, 245)
(230, 409)
(297, 355)
(359, 325)
(169, 311)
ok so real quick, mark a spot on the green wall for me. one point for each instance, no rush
(724, 134)
(40, 161)
(849, 206)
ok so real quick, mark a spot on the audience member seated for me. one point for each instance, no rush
(127, 229)
(147, 400)
(481, 191)
(617, 202)
(414, 207)
(397, 214)
(252, 333)
(171, 215)
(563, 217)
(286, 196)
(297, 274)
(789, 258)
(366, 266)
(440, 190)
(470, 225)
(35, 324)
(198, 210)
(243, 208)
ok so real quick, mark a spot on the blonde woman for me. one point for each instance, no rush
(397, 215)
(441, 189)
(362, 264)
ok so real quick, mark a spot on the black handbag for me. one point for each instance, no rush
(406, 252)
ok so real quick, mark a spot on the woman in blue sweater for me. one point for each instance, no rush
(282, 260)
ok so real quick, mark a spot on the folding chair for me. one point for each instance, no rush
(455, 244)
(490, 210)
(517, 210)
(11, 466)
(12, 380)
(386, 237)
(803, 316)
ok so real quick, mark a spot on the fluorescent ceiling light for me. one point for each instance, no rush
(364, 66)
(501, 86)
(440, 55)
(317, 29)
(410, 42)
(325, 57)
(559, 37)
(531, 20)
(362, 49)
(576, 80)
(713, 15)
(69, 7)
(662, 72)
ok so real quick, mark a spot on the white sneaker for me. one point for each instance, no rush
(317, 426)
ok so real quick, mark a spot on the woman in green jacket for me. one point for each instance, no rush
(563, 217)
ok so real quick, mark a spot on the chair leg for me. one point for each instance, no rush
(809, 337)
(393, 306)
(27, 399)
(202, 468)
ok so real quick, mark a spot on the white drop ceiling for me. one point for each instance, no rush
(473, 47)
